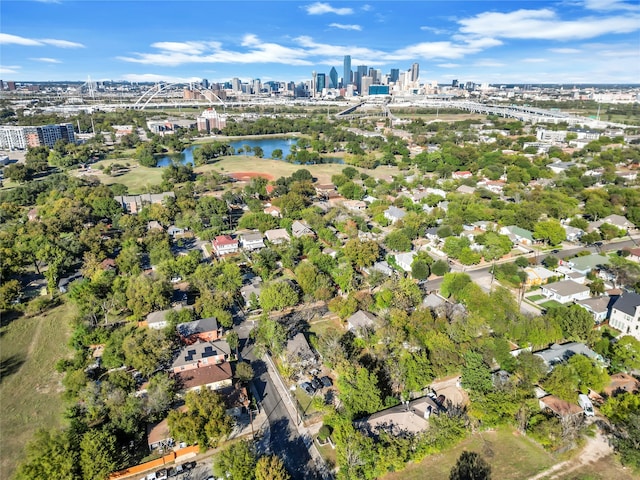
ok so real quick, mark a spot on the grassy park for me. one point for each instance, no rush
(30, 388)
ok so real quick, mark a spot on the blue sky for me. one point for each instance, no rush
(570, 41)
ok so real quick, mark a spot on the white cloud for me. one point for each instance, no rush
(565, 51)
(534, 60)
(608, 5)
(366, 7)
(488, 63)
(544, 24)
(437, 31)
(320, 8)
(9, 69)
(153, 77)
(448, 65)
(342, 26)
(45, 60)
(181, 53)
(8, 39)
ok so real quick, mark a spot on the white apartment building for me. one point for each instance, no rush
(12, 138)
(625, 314)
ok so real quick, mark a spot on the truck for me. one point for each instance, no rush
(587, 406)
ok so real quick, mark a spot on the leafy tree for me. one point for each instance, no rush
(146, 350)
(204, 422)
(398, 241)
(271, 467)
(625, 353)
(361, 254)
(99, 454)
(439, 268)
(278, 295)
(419, 269)
(10, 292)
(358, 390)
(470, 466)
(49, 455)
(145, 294)
(591, 376)
(270, 336)
(575, 321)
(237, 462)
(453, 284)
(624, 411)
(563, 382)
(551, 231)
(476, 375)
(244, 372)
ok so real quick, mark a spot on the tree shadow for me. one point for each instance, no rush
(293, 450)
(9, 366)
(6, 318)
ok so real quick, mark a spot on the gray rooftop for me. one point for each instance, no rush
(566, 287)
(362, 319)
(561, 353)
(627, 303)
(197, 326)
(200, 351)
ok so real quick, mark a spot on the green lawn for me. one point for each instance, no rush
(511, 456)
(535, 298)
(30, 388)
(550, 304)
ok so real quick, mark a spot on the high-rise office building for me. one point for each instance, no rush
(321, 82)
(454, 83)
(395, 75)
(205, 83)
(346, 78)
(20, 138)
(360, 73)
(11, 86)
(333, 78)
(236, 84)
(415, 72)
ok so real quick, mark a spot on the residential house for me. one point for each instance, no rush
(411, 418)
(159, 437)
(559, 167)
(325, 189)
(224, 245)
(625, 314)
(432, 234)
(565, 291)
(252, 288)
(461, 175)
(538, 276)
(175, 231)
(404, 260)
(598, 307)
(382, 267)
(213, 377)
(299, 353)
(394, 214)
(433, 301)
(135, 203)
(154, 225)
(361, 320)
(277, 236)
(559, 407)
(355, 205)
(556, 353)
(273, 211)
(518, 234)
(201, 354)
(573, 234)
(634, 254)
(465, 189)
(205, 330)
(158, 320)
(300, 229)
(64, 283)
(251, 241)
(587, 263)
(617, 221)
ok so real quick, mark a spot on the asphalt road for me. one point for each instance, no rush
(477, 272)
(284, 438)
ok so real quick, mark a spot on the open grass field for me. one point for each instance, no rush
(136, 179)
(511, 456)
(30, 388)
(604, 469)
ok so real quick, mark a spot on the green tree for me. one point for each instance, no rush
(624, 411)
(269, 336)
(398, 241)
(361, 254)
(470, 466)
(204, 422)
(453, 284)
(278, 295)
(591, 376)
(576, 322)
(563, 382)
(271, 467)
(625, 353)
(439, 268)
(476, 375)
(99, 454)
(49, 455)
(244, 372)
(419, 269)
(236, 462)
(551, 231)
(359, 390)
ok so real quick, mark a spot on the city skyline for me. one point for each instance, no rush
(590, 41)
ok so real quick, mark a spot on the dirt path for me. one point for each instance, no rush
(595, 449)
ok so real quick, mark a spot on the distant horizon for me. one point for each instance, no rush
(526, 42)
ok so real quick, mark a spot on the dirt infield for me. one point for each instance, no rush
(245, 176)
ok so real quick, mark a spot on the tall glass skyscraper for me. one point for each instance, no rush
(333, 78)
(395, 75)
(321, 82)
(346, 79)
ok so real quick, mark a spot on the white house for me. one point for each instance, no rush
(625, 314)
(277, 236)
(404, 260)
(251, 241)
(224, 245)
(300, 229)
(565, 291)
(393, 214)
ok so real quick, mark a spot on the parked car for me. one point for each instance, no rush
(308, 388)
(189, 465)
(326, 381)
(315, 383)
(152, 476)
(172, 472)
(585, 402)
(161, 474)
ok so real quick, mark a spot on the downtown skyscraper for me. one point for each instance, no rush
(346, 78)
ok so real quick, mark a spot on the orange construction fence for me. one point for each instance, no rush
(157, 463)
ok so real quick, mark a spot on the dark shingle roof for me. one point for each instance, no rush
(627, 303)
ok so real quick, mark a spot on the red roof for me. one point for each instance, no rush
(204, 375)
(224, 240)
